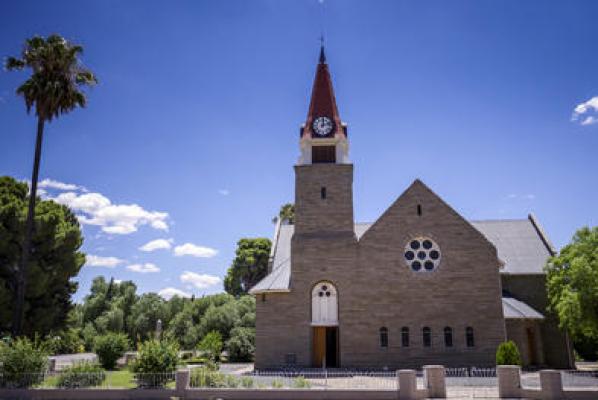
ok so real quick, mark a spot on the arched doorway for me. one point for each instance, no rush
(324, 322)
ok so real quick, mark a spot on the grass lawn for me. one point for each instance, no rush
(122, 379)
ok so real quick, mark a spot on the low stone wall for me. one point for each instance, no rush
(551, 386)
(508, 382)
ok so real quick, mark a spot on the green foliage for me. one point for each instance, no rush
(211, 344)
(241, 344)
(572, 279)
(56, 259)
(287, 213)
(508, 354)
(301, 383)
(84, 374)
(221, 319)
(57, 75)
(145, 314)
(156, 356)
(249, 266)
(22, 363)
(246, 382)
(110, 347)
(277, 384)
(208, 378)
(184, 321)
(65, 342)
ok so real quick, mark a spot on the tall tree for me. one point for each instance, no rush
(56, 259)
(287, 213)
(54, 88)
(249, 266)
(572, 282)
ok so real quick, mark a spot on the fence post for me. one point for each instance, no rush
(435, 381)
(182, 378)
(551, 384)
(509, 381)
(407, 384)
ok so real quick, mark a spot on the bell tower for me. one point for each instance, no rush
(323, 136)
(323, 174)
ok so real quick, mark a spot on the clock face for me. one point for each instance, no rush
(322, 126)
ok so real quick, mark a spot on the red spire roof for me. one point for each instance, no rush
(323, 102)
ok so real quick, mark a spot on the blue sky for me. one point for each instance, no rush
(191, 135)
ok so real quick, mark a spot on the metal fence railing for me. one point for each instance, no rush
(79, 380)
(320, 379)
(574, 379)
(471, 382)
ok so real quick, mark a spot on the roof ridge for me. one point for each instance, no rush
(499, 220)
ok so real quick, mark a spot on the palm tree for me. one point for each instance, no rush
(53, 89)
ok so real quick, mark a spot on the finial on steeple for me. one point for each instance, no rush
(322, 55)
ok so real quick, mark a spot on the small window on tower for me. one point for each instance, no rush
(419, 209)
(323, 192)
(323, 154)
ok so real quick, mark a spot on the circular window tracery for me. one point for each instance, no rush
(422, 254)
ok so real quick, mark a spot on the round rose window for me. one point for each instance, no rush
(422, 254)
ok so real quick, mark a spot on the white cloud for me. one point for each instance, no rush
(224, 192)
(581, 111)
(98, 261)
(190, 249)
(157, 244)
(200, 281)
(121, 219)
(52, 184)
(170, 292)
(528, 196)
(143, 268)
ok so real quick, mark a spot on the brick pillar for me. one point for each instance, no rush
(509, 381)
(182, 378)
(551, 384)
(435, 381)
(407, 384)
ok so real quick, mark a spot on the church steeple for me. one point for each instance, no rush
(322, 55)
(324, 135)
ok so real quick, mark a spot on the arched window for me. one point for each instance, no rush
(324, 305)
(469, 336)
(405, 336)
(383, 337)
(427, 336)
(448, 336)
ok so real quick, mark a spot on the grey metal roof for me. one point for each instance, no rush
(515, 309)
(521, 244)
(279, 279)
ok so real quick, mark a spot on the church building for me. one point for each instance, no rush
(420, 285)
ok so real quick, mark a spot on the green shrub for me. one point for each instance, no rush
(246, 382)
(211, 344)
(241, 344)
(301, 383)
(207, 378)
(64, 342)
(155, 358)
(84, 374)
(22, 363)
(277, 384)
(110, 347)
(508, 354)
